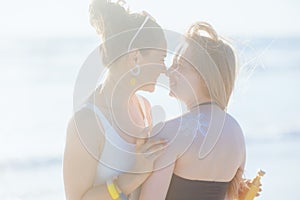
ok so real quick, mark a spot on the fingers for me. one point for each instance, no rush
(153, 149)
(155, 155)
(151, 145)
(139, 142)
(259, 190)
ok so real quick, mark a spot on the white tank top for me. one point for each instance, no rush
(118, 155)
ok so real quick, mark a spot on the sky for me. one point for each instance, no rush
(67, 18)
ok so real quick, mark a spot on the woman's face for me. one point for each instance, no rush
(184, 79)
(152, 65)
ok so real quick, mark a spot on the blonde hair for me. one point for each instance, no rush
(117, 27)
(214, 59)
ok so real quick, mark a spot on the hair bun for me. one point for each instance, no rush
(97, 6)
(203, 26)
(105, 16)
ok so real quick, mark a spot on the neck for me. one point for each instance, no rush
(116, 93)
(195, 102)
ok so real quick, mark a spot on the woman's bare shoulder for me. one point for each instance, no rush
(86, 130)
(232, 125)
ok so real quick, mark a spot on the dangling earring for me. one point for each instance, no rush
(132, 81)
(135, 72)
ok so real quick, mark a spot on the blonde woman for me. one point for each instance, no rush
(205, 157)
(104, 157)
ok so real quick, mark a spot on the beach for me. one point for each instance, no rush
(37, 78)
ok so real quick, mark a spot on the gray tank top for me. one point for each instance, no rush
(185, 189)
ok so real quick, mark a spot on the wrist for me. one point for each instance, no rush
(127, 183)
(122, 196)
(112, 189)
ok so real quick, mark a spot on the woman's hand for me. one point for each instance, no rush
(147, 151)
(244, 188)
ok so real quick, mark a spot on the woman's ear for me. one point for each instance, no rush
(139, 57)
(134, 57)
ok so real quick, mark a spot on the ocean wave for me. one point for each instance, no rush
(291, 136)
(29, 164)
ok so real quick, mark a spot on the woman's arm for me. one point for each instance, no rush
(157, 185)
(84, 144)
(237, 184)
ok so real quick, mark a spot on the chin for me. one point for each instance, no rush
(149, 88)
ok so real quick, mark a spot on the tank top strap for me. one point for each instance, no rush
(106, 125)
(113, 136)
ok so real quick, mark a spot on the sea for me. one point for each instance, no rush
(37, 78)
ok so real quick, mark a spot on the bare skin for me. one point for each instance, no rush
(85, 136)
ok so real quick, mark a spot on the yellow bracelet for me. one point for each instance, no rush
(112, 190)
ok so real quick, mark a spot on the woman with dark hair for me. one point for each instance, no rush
(105, 155)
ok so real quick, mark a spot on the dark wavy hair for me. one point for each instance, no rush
(117, 27)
